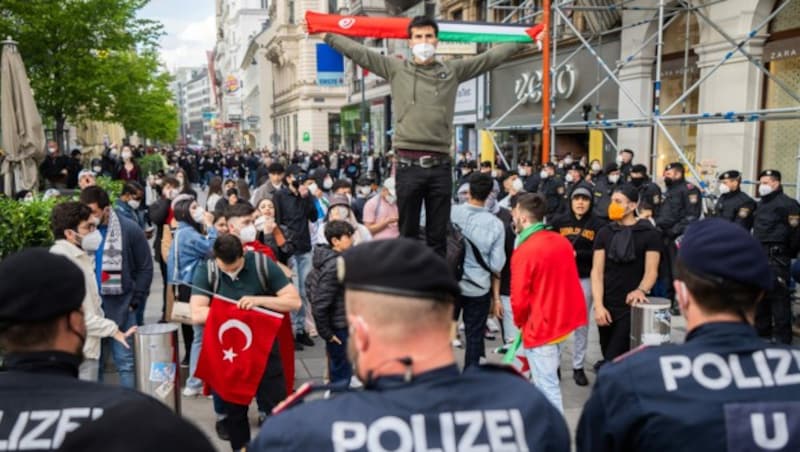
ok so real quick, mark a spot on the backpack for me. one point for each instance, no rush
(261, 270)
(457, 251)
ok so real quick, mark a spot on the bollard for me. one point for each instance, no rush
(157, 366)
(651, 322)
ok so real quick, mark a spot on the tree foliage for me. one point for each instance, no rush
(76, 51)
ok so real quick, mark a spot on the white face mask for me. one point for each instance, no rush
(327, 184)
(91, 241)
(516, 185)
(596, 167)
(198, 214)
(569, 178)
(723, 189)
(613, 178)
(423, 51)
(97, 169)
(568, 160)
(521, 172)
(313, 188)
(126, 155)
(494, 173)
(391, 199)
(543, 174)
(247, 234)
(134, 204)
(51, 150)
(619, 160)
(764, 190)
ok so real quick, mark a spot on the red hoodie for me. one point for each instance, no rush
(546, 294)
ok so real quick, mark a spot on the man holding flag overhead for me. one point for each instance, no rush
(240, 355)
(423, 99)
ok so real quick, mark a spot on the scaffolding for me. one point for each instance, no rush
(603, 17)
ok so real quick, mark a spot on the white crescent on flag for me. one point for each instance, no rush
(239, 325)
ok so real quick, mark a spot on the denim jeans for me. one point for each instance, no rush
(197, 342)
(339, 367)
(123, 357)
(544, 361)
(433, 186)
(301, 266)
(475, 312)
(582, 333)
(510, 330)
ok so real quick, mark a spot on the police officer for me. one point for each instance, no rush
(680, 206)
(732, 204)
(399, 296)
(724, 388)
(606, 183)
(42, 332)
(775, 226)
(649, 192)
(552, 188)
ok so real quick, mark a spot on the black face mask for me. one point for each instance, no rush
(637, 181)
(668, 182)
(81, 336)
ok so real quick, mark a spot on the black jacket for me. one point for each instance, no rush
(776, 223)
(292, 213)
(505, 274)
(736, 207)
(682, 205)
(159, 211)
(603, 190)
(326, 293)
(40, 394)
(580, 233)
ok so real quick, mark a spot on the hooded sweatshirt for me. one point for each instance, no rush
(580, 232)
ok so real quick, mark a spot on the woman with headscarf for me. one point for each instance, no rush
(340, 209)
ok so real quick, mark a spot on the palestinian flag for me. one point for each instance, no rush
(397, 28)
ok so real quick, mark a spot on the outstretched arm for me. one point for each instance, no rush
(362, 55)
(473, 67)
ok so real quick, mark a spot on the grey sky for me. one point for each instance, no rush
(189, 25)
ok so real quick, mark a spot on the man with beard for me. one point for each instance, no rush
(399, 305)
(42, 333)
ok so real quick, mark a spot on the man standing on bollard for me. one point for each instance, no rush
(724, 389)
(399, 301)
(424, 93)
(42, 334)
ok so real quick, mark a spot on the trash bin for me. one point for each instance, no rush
(651, 322)
(157, 369)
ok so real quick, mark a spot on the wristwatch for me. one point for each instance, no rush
(646, 292)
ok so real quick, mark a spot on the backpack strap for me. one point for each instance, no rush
(262, 270)
(213, 275)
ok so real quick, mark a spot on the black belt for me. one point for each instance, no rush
(426, 161)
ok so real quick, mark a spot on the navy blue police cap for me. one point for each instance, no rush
(402, 267)
(771, 173)
(718, 248)
(732, 174)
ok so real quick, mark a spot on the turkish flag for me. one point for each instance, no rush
(236, 346)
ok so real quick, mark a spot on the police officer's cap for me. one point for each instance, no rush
(611, 167)
(675, 166)
(403, 267)
(721, 249)
(526, 163)
(576, 166)
(37, 285)
(732, 174)
(775, 174)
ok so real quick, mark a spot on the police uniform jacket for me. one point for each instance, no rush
(602, 197)
(736, 207)
(651, 193)
(776, 224)
(552, 189)
(42, 400)
(681, 206)
(725, 389)
(485, 407)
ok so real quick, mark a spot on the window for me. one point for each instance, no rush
(291, 11)
(264, 4)
(332, 6)
(458, 14)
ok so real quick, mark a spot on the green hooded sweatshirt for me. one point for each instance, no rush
(423, 96)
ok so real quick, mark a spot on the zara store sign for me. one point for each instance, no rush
(528, 85)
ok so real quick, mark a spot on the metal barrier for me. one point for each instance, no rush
(157, 366)
(651, 322)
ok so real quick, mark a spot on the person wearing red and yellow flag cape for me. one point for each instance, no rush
(423, 101)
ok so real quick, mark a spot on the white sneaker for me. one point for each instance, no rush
(457, 343)
(191, 392)
(492, 325)
(355, 383)
(461, 326)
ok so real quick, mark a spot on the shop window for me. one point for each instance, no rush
(787, 19)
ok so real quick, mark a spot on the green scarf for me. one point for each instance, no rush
(527, 232)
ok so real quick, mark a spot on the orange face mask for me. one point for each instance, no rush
(616, 211)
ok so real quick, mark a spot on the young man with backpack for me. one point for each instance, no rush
(253, 280)
(327, 298)
(484, 257)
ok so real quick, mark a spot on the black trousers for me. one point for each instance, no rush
(615, 339)
(271, 391)
(184, 293)
(476, 311)
(433, 186)
(667, 267)
(163, 267)
(774, 312)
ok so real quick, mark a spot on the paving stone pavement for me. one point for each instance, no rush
(310, 364)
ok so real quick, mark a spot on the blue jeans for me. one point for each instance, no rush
(301, 266)
(509, 329)
(475, 312)
(339, 367)
(140, 312)
(197, 342)
(123, 357)
(544, 361)
(582, 333)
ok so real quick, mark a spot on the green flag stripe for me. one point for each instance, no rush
(449, 36)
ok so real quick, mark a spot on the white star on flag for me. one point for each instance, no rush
(229, 355)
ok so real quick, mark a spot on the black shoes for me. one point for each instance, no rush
(580, 377)
(222, 431)
(304, 339)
